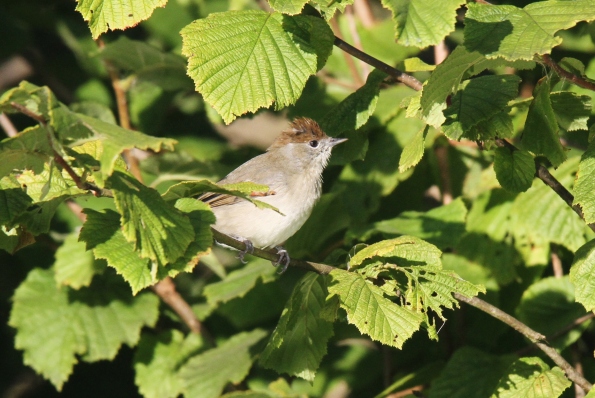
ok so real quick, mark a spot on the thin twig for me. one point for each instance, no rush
(537, 338)
(272, 255)
(123, 112)
(349, 15)
(404, 78)
(166, 290)
(578, 80)
(364, 13)
(556, 262)
(352, 68)
(441, 153)
(533, 336)
(576, 360)
(84, 185)
(561, 332)
(7, 126)
(440, 52)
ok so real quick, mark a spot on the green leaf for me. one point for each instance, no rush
(540, 135)
(240, 282)
(531, 377)
(75, 266)
(157, 360)
(290, 7)
(497, 126)
(115, 140)
(445, 79)
(478, 100)
(372, 313)
(298, 343)
(420, 23)
(413, 151)
(515, 33)
(582, 275)
(148, 63)
(415, 64)
(328, 8)
(549, 306)
(585, 184)
(29, 150)
(103, 235)
(38, 217)
(515, 169)
(14, 200)
(540, 214)
(572, 110)
(442, 226)
(158, 231)
(55, 325)
(470, 373)
(355, 110)
(408, 248)
(51, 183)
(241, 61)
(206, 375)
(104, 15)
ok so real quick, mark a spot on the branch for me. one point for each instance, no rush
(123, 112)
(166, 290)
(548, 179)
(533, 336)
(578, 80)
(352, 68)
(84, 185)
(537, 338)
(272, 255)
(7, 125)
(404, 78)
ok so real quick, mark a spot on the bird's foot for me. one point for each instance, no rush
(248, 250)
(283, 259)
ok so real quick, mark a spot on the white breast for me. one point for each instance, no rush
(264, 227)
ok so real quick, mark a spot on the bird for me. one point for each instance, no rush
(292, 169)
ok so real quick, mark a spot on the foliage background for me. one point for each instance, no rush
(520, 246)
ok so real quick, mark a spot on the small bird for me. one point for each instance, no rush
(292, 169)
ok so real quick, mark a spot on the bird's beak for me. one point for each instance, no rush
(337, 141)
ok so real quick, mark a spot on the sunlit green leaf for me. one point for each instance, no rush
(520, 33)
(581, 275)
(75, 266)
(413, 152)
(298, 343)
(55, 325)
(158, 231)
(420, 23)
(241, 61)
(104, 15)
(531, 377)
(371, 312)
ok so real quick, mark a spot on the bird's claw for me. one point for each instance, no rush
(248, 250)
(283, 259)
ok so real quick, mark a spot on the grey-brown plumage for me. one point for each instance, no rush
(292, 169)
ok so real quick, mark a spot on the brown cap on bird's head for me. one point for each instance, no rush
(301, 130)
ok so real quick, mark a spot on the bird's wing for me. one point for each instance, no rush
(243, 174)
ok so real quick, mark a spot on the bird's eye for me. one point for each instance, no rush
(313, 143)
